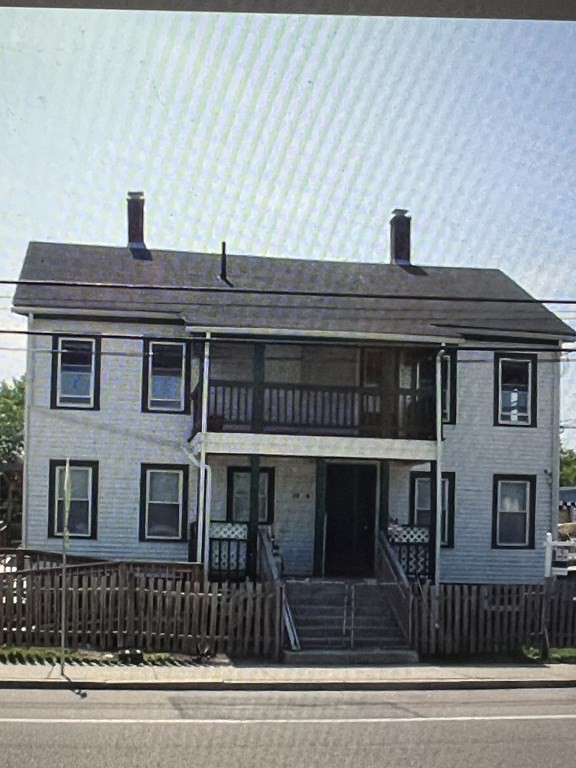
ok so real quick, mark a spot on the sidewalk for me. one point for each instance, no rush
(225, 675)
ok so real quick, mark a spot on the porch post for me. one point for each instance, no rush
(201, 527)
(258, 397)
(432, 549)
(437, 485)
(320, 519)
(384, 509)
(251, 565)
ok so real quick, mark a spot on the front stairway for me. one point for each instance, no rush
(348, 622)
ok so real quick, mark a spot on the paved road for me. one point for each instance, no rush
(483, 729)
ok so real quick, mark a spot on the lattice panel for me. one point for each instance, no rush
(408, 534)
(228, 555)
(414, 559)
(238, 531)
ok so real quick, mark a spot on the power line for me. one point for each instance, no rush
(279, 292)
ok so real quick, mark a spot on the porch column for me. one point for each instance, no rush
(202, 529)
(384, 508)
(433, 519)
(251, 565)
(258, 391)
(320, 519)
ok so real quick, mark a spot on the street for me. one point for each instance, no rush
(433, 729)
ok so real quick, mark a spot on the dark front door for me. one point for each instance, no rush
(350, 520)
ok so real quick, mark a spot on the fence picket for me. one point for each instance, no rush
(213, 616)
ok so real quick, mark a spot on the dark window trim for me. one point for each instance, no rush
(533, 359)
(54, 373)
(531, 479)
(230, 492)
(452, 388)
(147, 342)
(144, 469)
(451, 478)
(54, 464)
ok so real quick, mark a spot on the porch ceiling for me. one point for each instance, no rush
(313, 445)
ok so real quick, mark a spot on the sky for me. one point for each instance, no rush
(292, 136)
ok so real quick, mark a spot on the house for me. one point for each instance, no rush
(201, 397)
(568, 494)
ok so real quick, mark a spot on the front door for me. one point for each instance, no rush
(350, 520)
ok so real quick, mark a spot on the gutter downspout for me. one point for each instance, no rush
(208, 486)
(555, 478)
(439, 493)
(203, 513)
(28, 395)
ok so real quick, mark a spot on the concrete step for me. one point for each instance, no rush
(318, 611)
(317, 643)
(333, 657)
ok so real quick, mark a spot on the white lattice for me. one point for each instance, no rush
(237, 531)
(408, 534)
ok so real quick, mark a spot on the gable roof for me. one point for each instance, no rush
(416, 300)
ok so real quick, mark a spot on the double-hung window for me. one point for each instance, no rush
(239, 495)
(166, 376)
(75, 372)
(514, 505)
(163, 502)
(77, 491)
(421, 504)
(515, 390)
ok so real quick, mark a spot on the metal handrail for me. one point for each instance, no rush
(403, 612)
(268, 569)
(397, 570)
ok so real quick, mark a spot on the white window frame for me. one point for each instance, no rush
(179, 405)
(167, 471)
(529, 416)
(87, 403)
(445, 506)
(265, 495)
(60, 469)
(526, 512)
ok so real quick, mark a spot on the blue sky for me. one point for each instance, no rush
(292, 136)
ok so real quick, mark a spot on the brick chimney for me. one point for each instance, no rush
(399, 237)
(136, 220)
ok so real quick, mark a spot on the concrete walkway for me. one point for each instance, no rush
(222, 674)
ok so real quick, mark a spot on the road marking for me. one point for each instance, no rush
(279, 721)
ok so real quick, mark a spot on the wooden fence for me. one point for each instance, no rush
(121, 607)
(471, 619)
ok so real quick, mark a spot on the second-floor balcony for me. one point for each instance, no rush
(319, 410)
(376, 393)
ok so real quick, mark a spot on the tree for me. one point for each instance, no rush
(11, 420)
(567, 466)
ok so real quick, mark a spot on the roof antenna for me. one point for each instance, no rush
(222, 274)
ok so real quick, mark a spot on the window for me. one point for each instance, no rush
(372, 367)
(448, 367)
(514, 505)
(515, 390)
(166, 376)
(421, 503)
(75, 373)
(163, 502)
(238, 507)
(83, 494)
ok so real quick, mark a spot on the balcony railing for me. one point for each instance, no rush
(320, 410)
